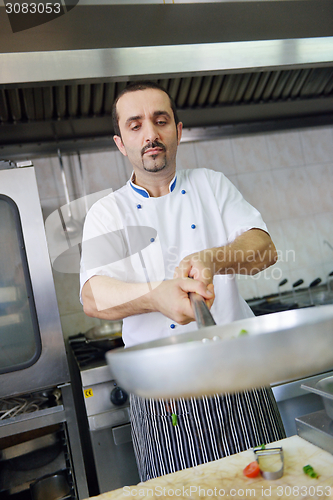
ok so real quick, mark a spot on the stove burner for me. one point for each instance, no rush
(87, 351)
(266, 307)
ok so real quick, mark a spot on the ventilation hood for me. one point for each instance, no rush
(232, 67)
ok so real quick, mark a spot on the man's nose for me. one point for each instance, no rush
(151, 132)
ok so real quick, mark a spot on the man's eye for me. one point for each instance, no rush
(135, 127)
(161, 122)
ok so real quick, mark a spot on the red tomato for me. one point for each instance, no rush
(251, 470)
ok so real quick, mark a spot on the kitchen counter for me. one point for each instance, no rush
(224, 478)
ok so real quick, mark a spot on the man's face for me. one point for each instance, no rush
(149, 136)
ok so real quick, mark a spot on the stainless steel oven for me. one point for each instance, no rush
(32, 355)
(40, 445)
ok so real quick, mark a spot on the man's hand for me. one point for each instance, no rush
(171, 298)
(198, 266)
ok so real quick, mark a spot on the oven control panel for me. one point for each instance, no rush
(104, 397)
(118, 396)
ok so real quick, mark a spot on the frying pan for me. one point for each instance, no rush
(106, 343)
(216, 359)
(106, 336)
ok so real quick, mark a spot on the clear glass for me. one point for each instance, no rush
(19, 336)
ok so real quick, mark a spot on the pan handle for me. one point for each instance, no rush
(202, 313)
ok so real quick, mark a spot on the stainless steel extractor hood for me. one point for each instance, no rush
(232, 67)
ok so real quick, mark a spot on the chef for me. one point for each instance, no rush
(164, 234)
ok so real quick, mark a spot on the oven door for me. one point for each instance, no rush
(33, 354)
(114, 457)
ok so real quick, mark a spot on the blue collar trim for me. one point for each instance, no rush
(142, 191)
(173, 184)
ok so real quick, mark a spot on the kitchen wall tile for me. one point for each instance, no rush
(103, 170)
(293, 192)
(247, 286)
(48, 176)
(317, 144)
(320, 179)
(215, 154)
(328, 269)
(250, 153)
(67, 287)
(285, 149)
(56, 238)
(49, 205)
(308, 274)
(49, 179)
(73, 176)
(258, 189)
(75, 323)
(73, 217)
(268, 280)
(302, 243)
(324, 227)
(186, 157)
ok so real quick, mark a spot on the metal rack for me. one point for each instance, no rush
(42, 444)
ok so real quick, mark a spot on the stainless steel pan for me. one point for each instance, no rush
(278, 347)
(105, 337)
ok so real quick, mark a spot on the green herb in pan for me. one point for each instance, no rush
(243, 332)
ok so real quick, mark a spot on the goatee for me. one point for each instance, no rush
(156, 167)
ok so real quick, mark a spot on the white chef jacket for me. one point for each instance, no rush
(133, 237)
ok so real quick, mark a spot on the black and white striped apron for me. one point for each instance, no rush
(207, 429)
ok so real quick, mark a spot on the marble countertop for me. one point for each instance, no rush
(224, 478)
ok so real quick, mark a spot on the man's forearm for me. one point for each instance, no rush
(250, 253)
(108, 298)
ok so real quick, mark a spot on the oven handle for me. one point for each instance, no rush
(107, 419)
(122, 434)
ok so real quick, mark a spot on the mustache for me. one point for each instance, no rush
(152, 145)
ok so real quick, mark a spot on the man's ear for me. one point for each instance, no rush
(179, 132)
(119, 144)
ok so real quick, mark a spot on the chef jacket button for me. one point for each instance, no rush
(139, 206)
(183, 191)
(193, 226)
(172, 326)
(152, 239)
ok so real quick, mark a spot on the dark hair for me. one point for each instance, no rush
(133, 87)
